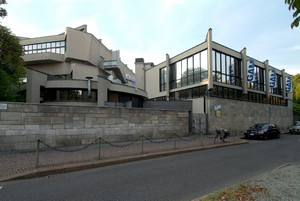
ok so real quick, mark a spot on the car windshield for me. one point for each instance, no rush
(260, 126)
(297, 123)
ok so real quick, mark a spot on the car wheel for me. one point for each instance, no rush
(266, 136)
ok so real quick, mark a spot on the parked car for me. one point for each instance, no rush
(295, 128)
(263, 131)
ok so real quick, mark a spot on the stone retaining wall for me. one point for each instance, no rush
(61, 125)
(238, 115)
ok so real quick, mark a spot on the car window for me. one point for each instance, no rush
(297, 123)
(261, 126)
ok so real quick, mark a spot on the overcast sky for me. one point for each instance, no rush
(152, 28)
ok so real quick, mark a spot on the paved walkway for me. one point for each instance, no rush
(22, 164)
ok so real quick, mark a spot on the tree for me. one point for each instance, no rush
(294, 5)
(296, 94)
(296, 88)
(3, 12)
(11, 66)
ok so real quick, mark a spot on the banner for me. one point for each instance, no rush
(250, 71)
(272, 78)
(288, 84)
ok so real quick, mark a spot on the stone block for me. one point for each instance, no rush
(17, 127)
(32, 127)
(10, 116)
(39, 120)
(4, 127)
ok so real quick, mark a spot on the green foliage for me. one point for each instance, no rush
(3, 12)
(296, 109)
(11, 66)
(296, 88)
(294, 5)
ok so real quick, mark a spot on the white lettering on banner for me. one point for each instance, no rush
(272, 80)
(250, 70)
(288, 84)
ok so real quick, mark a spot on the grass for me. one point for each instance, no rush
(240, 192)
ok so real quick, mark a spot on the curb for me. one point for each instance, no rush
(46, 171)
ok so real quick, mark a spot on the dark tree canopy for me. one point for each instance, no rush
(3, 12)
(294, 5)
(11, 66)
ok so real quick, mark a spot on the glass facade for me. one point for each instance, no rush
(191, 93)
(57, 47)
(225, 92)
(259, 82)
(226, 69)
(188, 71)
(278, 89)
(74, 95)
(162, 79)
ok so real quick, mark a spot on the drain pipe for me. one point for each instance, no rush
(89, 85)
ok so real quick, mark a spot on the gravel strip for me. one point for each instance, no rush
(14, 163)
(281, 184)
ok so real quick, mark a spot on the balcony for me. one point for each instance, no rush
(116, 67)
(42, 58)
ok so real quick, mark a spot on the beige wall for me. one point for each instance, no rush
(34, 81)
(152, 82)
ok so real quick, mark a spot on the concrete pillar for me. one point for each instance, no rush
(168, 77)
(283, 84)
(267, 78)
(103, 86)
(244, 71)
(35, 80)
(140, 77)
(209, 59)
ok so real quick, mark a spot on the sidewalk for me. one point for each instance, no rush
(21, 165)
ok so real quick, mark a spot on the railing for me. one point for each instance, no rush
(100, 142)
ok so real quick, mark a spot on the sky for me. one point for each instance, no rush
(150, 29)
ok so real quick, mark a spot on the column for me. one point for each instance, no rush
(283, 84)
(209, 59)
(267, 78)
(244, 71)
(168, 77)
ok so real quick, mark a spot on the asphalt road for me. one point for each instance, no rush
(178, 177)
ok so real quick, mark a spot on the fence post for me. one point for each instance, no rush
(174, 141)
(99, 147)
(142, 138)
(37, 152)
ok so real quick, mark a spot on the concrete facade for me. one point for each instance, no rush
(212, 75)
(59, 125)
(58, 68)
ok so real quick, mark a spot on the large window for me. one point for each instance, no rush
(226, 69)
(58, 47)
(162, 79)
(73, 95)
(191, 93)
(225, 92)
(188, 71)
(259, 79)
(278, 89)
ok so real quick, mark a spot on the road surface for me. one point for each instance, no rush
(179, 177)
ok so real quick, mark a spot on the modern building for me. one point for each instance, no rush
(228, 88)
(76, 68)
